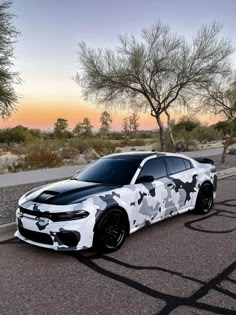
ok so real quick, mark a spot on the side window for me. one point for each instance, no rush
(154, 167)
(188, 164)
(175, 164)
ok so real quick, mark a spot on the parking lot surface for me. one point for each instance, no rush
(184, 265)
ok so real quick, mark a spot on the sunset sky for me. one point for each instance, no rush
(46, 55)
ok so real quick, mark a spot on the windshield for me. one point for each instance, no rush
(110, 171)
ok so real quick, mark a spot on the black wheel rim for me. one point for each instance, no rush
(206, 199)
(113, 231)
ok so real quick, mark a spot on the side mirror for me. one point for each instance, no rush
(145, 179)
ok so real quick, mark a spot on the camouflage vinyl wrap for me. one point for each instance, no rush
(144, 203)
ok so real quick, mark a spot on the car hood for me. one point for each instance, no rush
(67, 192)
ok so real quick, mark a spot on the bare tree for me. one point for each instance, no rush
(219, 97)
(133, 122)
(125, 125)
(8, 34)
(156, 72)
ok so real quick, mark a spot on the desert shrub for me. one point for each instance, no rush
(133, 142)
(91, 155)
(186, 145)
(232, 151)
(206, 134)
(80, 145)
(143, 134)
(186, 124)
(180, 146)
(36, 157)
(101, 146)
(17, 134)
(225, 127)
(114, 136)
(229, 141)
(192, 144)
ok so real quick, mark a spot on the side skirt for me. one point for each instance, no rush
(161, 218)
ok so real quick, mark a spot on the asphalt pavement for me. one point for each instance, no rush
(183, 266)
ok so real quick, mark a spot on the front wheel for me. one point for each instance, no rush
(111, 231)
(204, 199)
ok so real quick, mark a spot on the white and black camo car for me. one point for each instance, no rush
(114, 197)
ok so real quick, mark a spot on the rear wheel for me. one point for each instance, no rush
(111, 231)
(204, 199)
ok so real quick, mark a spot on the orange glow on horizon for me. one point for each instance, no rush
(43, 115)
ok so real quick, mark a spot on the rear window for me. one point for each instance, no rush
(175, 164)
(188, 164)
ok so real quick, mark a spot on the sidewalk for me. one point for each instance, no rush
(42, 175)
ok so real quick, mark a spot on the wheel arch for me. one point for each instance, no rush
(113, 207)
(207, 182)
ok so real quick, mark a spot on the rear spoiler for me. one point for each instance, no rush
(204, 161)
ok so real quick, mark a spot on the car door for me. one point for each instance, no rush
(152, 197)
(184, 180)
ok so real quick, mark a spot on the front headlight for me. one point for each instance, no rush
(65, 216)
(57, 216)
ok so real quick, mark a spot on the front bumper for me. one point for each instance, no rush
(60, 236)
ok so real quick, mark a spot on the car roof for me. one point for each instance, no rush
(141, 155)
(137, 155)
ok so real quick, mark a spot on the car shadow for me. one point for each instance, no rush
(219, 210)
(172, 302)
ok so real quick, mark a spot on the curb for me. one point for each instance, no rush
(7, 230)
(226, 173)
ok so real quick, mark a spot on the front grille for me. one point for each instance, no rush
(35, 236)
(36, 213)
(58, 216)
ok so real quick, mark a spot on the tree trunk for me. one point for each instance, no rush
(162, 134)
(224, 153)
(172, 140)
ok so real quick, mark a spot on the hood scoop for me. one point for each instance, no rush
(47, 194)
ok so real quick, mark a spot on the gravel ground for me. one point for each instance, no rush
(10, 195)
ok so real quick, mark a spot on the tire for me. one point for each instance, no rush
(204, 201)
(111, 231)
